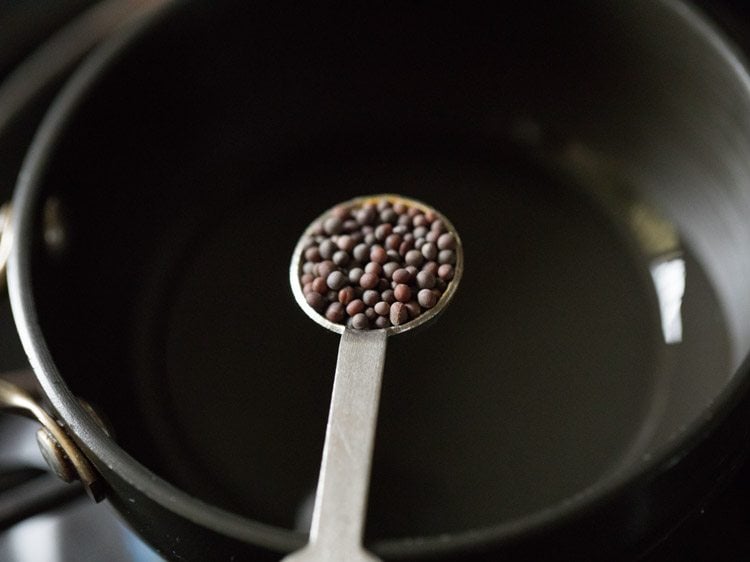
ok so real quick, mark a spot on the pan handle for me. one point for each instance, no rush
(62, 454)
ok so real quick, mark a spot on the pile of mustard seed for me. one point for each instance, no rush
(376, 264)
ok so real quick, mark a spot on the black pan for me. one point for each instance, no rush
(585, 381)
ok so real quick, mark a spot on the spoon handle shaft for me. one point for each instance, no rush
(344, 481)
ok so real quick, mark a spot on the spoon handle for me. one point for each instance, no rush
(344, 481)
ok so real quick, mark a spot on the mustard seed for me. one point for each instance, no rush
(392, 242)
(388, 216)
(383, 231)
(374, 268)
(382, 322)
(398, 313)
(345, 243)
(413, 308)
(325, 268)
(360, 322)
(388, 296)
(431, 267)
(361, 252)
(382, 308)
(341, 258)
(445, 272)
(355, 307)
(315, 300)
(429, 251)
(393, 255)
(402, 292)
(346, 295)
(378, 254)
(446, 241)
(426, 298)
(389, 268)
(405, 246)
(336, 280)
(447, 257)
(327, 248)
(425, 280)
(414, 257)
(333, 225)
(368, 281)
(365, 215)
(355, 275)
(335, 312)
(370, 298)
(319, 286)
(401, 276)
(312, 254)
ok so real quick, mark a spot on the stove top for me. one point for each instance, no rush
(75, 530)
(68, 527)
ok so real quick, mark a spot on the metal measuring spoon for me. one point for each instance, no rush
(341, 498)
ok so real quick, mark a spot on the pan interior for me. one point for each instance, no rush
(552, 369)
(550, 366)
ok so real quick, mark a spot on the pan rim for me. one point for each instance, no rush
(107, 452)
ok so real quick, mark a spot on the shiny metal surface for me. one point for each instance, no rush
(57, 444)
(55, 456)
(341, 499)
(338, 520)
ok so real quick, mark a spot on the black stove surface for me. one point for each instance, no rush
(74, 529)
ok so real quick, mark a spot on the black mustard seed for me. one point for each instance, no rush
(377, 265)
